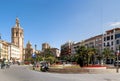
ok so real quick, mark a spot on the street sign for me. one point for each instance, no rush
(33, 55)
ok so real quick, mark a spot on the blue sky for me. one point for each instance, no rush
(58, 21)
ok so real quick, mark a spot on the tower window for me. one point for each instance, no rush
(13, 34)
(20, 34)
(16, 33)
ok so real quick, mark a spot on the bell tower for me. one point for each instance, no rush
(18, 37)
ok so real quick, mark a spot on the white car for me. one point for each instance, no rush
(117, 63)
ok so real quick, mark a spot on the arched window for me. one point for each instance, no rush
(16, 33)
(20, 34)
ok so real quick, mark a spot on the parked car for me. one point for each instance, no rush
(117, 63)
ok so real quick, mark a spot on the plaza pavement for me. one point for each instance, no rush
(22, 73)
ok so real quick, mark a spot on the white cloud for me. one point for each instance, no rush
(115, 24)
(111, 25)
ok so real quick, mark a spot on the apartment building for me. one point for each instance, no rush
(94, 42)
(9, 51)
(13, 52)
(66, 49)
(111, 39)
(75, 46)
(55, 51)
(3, 49)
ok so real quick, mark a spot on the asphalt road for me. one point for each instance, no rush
(22, 73)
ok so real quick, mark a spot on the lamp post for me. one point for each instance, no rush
(35, 48)
(34, 57)
(117, 68)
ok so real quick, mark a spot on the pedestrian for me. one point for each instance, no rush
(2, 64)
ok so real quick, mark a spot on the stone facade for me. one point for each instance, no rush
(45, 46)
(18, 37)
(28, 51)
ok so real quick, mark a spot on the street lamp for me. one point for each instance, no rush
(117, 68)
(34, 57)
(35, 48)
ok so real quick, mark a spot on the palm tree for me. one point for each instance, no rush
(82, 54)
(107, 53)
(91, 55)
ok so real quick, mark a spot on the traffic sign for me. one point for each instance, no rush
(33, 55)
